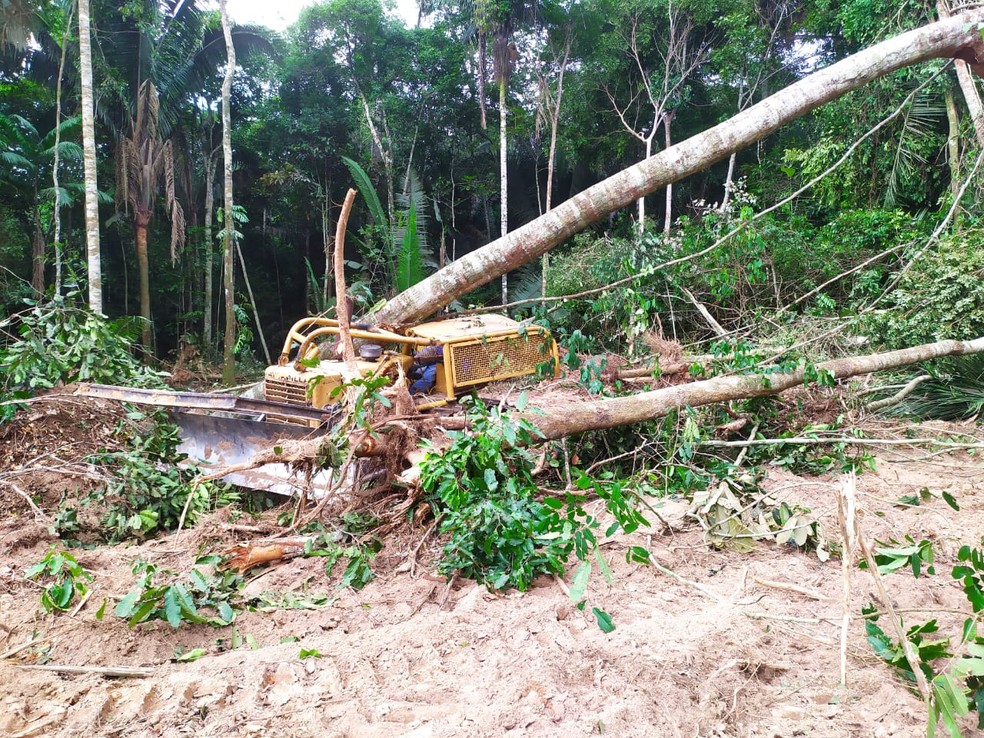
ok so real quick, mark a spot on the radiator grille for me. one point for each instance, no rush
(497, 358)
(283, 390)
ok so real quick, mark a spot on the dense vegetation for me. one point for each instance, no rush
(351, 96)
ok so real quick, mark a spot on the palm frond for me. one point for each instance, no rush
(955, 391)
(368, 192)
(918, 124)
(65, 195)
(16, 160)
(525, 283)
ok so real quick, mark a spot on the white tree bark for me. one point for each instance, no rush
(228, 221)
(954, 37)
(610, 412)
(968, 87)
(89, 162)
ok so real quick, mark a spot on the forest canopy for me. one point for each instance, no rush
(464, 127)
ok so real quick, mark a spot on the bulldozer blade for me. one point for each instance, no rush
(214, 442)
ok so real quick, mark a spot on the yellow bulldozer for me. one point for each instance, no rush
(442, 360)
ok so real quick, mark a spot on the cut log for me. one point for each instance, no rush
(611, 412)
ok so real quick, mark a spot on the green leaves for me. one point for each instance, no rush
(959, 686)
(67, 579)
(970, 574)
(893, 556)
(604, 620)
(499, 532)
(368, 192)
(483, 485)
(173, 602)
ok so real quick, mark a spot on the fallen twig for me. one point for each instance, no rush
(846, 506)
(789, 588)
(898, 396)
(849, 440)
(17, 649)
(39, 514)
(108, 671)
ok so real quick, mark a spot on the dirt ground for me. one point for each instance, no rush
(720, 649)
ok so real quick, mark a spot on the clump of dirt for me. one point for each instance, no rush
(59, 423)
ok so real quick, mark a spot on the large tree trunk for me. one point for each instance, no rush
(209, 249)
(89, 159)
(967, 85)
(608, 413)
(503, 180)
(228, 356)
(954, 37)
(141, 219)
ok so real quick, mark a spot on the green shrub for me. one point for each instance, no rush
(483, 488)
(146, 489)
(61, 343)
(941, 296)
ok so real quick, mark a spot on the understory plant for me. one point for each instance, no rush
(953, 666)
(63, 579)
(160, 595)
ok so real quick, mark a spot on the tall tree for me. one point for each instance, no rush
(229, 356)
(664, 51)
(160, 57)
(145, 164)
(93, 259)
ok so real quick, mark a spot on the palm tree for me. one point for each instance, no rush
(28, 157)
(145, 163)
(159, 59)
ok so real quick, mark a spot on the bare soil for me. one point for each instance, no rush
(718, 648)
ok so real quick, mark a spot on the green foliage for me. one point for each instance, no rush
(499, 533)
(368, 192)
(894, 555)
(955, 390)
(814, 459)
(940, 296)
(483, 489)
(358, 556)
(146, 489)
(956, 686)
(65, 579)
(158, 595)
(61, 343)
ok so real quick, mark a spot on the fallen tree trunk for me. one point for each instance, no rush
(615, 411)
(958, 36)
